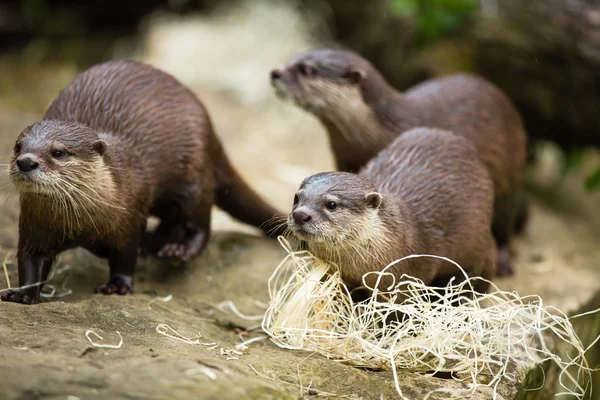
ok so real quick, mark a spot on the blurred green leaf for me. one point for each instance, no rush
(459, 6)
(593, 181)
(573, 160)
(434, 17)
(404, 7)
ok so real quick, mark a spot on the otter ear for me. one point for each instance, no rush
(373, 200)
(100, 146)
(354, 75)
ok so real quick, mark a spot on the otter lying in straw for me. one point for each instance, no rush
(363, 114)
(121, 142)
(427, 193)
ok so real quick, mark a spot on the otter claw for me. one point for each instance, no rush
(173, 251)
(116, 285)
(191, 247)
(14, 296)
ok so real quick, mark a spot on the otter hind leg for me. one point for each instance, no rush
(185, 226)
(188, 243)
(522, 217)
(181, 241)
(507, 210)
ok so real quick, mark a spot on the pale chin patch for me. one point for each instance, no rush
(302, 234)
(281, 91)
(27, 186)
(30, 186)
(309, 237)
(285, 94)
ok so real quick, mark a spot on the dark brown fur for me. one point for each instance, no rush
(135, 143)
(363, 113)
(426, 193)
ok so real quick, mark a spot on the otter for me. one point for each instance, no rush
(362, 114)
(121, 142)
(426, 193)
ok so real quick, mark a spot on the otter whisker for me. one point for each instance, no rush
(84, 199)
(89, 190)
(76, 205)
(360, 253)
(71, 208)
(289, 235)
(276, 228)
(274, 223)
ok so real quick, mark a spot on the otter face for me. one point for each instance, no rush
(48, 156)
(334, 208)
(318, 79)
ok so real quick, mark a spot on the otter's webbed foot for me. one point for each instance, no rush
(18, 296)
(504, 264)
(118, 284)
(188, 248)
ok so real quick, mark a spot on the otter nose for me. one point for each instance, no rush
(27, 163)
(275, 75)
(301, 217)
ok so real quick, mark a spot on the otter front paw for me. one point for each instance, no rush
(120, 285)
(504, 265)
(18, 296)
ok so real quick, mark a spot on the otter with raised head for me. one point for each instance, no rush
(426, 193)
(363, 113)
(121, 142)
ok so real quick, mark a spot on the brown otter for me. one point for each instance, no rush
(121, 142)
(426, 193)
(363, 113)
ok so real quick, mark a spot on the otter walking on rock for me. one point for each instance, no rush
(427, 193)
(121, 142)
(363, 113)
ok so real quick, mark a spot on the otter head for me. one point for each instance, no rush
(322, 80)
(335, 209)
(55, 157)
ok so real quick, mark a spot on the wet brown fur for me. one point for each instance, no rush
(436, 198)
(363, 113)
(142, 144)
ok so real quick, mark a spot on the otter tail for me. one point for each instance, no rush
(240, 201)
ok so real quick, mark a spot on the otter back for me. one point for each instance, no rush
(445, 197)
(426, 193)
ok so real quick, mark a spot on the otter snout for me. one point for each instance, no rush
(276, 75)
(27, 163)
(301, 217)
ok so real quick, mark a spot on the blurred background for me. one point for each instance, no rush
(545, 54)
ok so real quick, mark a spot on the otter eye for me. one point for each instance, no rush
(295, 199)
(306, 70)
(332, 205)
(17, 148)
(58, 153)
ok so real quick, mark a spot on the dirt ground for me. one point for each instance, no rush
(44, 352)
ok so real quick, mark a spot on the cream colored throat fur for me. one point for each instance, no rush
(345, 108)
(81, 199)
(361, 246)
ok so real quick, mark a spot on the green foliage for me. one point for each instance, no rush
(573, 160)
(593, 181)
(435, 18)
